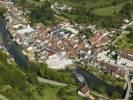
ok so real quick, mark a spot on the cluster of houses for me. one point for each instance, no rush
(100, 39)
(59, 45)
(116, 66)
(60, 7)
(125, 58)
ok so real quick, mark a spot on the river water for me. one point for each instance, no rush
(95, 83)
(13, 48)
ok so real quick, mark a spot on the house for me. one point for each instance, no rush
(18, 26)
(99, 39)
(58, 61)
(26, 30)
(121, 73)
(109, 68)
(112, 68)
(84, 92)
(125, 58)
(79, 78)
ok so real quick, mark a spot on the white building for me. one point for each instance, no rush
(126, 62)
(26, 30)
(125, 58)
(58, 61)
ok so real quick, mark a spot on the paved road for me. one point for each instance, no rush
(100, 96)
(43, 80)
(129, 89)
(118, 38)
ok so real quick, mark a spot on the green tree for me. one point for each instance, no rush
(88, 33)
(43, 14)
(2, 10)
(126, 11)
(116, 95)
(101, 90)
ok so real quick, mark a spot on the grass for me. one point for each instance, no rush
(123, 43)
(100, 7)
(24, 86)
(74, 98)
(70, 93)
(128, 46)
(88, 3)
(109, 11)
(50, 93)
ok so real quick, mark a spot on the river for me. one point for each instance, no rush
(13, 48)
(95, 83)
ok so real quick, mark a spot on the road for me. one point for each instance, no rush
(101, 97)
(118, 38)
(43, 80)
(129, 89)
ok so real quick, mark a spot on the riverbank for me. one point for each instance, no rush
(13, 48)
(101, 87)
(20, 59)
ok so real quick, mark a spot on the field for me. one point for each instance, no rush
(100, 7)
(109, 11)
(123, 43)
(49, 93)
(88, 3)
(16, 84)
(52, 93)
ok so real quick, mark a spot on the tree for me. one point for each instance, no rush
(2, 10)
(130, 35)
(87, 32)
(116, 95)
(126, 11)
(101, 90)
(43, 14)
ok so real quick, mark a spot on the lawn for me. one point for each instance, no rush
(88, 3)
(127, 45)
(109, 11)
(50, 93)
(123, 43)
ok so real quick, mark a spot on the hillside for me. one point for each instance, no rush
(14, 83)
(103, 13)
(19, 84)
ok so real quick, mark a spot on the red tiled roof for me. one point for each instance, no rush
(122, 73)
(127, 54)
(50, 53)
(99, 39)
(127, 51)
(107, 66)
(84, 89)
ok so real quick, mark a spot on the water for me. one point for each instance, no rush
(12, 46)
(94, 83)
(15, 50)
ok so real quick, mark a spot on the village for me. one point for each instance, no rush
(63, 44)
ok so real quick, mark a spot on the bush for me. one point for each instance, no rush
(116, 95)
(2, 10)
